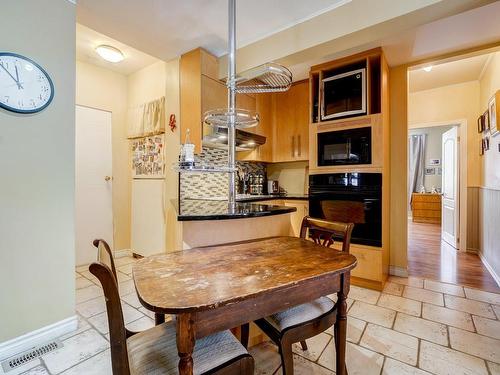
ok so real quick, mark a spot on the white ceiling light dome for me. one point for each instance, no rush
(109, 53)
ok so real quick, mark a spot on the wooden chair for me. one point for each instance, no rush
(154, 351)
(105, 255)
(304, 321)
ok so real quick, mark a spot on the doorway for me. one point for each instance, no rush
(93, 182)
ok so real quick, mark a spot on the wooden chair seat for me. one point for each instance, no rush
(155, 352)
(301, 314)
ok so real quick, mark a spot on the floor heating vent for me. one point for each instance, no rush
(30, 355)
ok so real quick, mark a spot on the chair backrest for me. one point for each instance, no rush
(117, 332)
(325, 233)
(104, 255)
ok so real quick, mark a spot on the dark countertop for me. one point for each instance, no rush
(256, 198)
(190, 210)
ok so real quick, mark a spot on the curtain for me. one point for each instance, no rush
(416, 161)
(147, 119)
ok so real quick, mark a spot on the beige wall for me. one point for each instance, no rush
(293, 177)
(448, 103)
(37, 249)
(489, 84)
(104, 89)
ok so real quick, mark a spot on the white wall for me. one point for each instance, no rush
(37, 254)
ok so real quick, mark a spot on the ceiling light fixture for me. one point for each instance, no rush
(428, 68)
(109, 53)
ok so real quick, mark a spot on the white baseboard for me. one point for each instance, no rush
(122, 253)
(398, 271)
(495, 276)
(29, 340)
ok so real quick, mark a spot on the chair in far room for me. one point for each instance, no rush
(302, 322)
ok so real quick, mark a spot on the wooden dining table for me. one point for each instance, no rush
(215, 288)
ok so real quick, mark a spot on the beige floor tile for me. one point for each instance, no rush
(82, 282)
(82, 268)
(76, 349)
(126, 269)
(496, 308)
(87, 274)
(480, 295)
(452, 289)
(393, 367)
(126, 287)
(141, 324)
(355, 328)
(364, 295)
(371, 313)
(470, 306)
(99, 364)
(391, 343)
(147, 312)
(124, 260)
(393, 288)
(122, 277)
(494, 368)
(450, 317)
(83, 325)
(100, 321)
(422, 328)
(487, 327)
(132, 300)
(445, 361)
(410, 281)
(88, 293)
(424, 295)
(302, 366)
(38, 370)
(478, 345)
(359, 361)
(91, 307)
(315, 346)
(401, 304)
(267, 359)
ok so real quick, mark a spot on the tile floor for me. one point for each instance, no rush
(413, 327)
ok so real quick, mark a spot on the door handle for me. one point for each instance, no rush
(108, 178)
(293, 146)
(299, 146)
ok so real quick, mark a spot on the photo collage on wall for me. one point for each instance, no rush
(487, 124)
(148, 157)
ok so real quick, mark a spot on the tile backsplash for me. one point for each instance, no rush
(212, 185)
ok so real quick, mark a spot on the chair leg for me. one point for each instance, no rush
(245, 333)
(304, 345)
(286, 358)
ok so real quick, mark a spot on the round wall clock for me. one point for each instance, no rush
(24, 86)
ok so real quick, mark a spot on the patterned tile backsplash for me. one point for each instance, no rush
(212, 185)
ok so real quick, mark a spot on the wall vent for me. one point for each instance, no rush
(30, 355)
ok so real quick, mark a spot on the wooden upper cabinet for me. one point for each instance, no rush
(291, 123)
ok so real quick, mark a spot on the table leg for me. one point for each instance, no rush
(185, 343)
(159, 319)
(340, 332)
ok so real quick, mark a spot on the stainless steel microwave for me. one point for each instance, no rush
(343, 95)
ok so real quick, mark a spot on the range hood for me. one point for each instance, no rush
(216, 137)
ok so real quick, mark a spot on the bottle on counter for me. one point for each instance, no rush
(187, 152)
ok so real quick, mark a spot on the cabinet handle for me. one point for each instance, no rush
(298, 146)
(293, 146)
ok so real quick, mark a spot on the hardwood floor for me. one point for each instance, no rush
(432, 258)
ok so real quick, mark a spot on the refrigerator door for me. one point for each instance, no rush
(148, 217)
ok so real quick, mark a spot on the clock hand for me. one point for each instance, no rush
(17, 75)
(11, 76)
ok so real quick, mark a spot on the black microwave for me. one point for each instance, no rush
(345, 147)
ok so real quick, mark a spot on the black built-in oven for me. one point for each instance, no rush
(349, 198)
(345, 147)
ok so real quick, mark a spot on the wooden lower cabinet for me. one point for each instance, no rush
(297, 216)
(426, 208)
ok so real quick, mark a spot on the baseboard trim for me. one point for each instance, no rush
(29, 340)
(398, 271)
(490, 269)
(122, 253)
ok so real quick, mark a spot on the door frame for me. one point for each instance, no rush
(462, 175)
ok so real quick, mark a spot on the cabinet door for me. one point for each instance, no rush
(297, 216)
(291, 110)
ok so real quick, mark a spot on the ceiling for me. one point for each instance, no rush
(167, 28)
(448, 73)
(87, 40)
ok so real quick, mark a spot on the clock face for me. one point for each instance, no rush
(24, 86)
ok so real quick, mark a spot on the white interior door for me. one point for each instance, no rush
(94, 211)
(450, 188)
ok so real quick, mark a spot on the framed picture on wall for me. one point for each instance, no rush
(486, 143)
(430, 171)
(486, 117)
(493, 114)
(480, 124)
(481, 146)
(435, 162)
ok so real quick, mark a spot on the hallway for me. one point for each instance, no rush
(429, 257)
